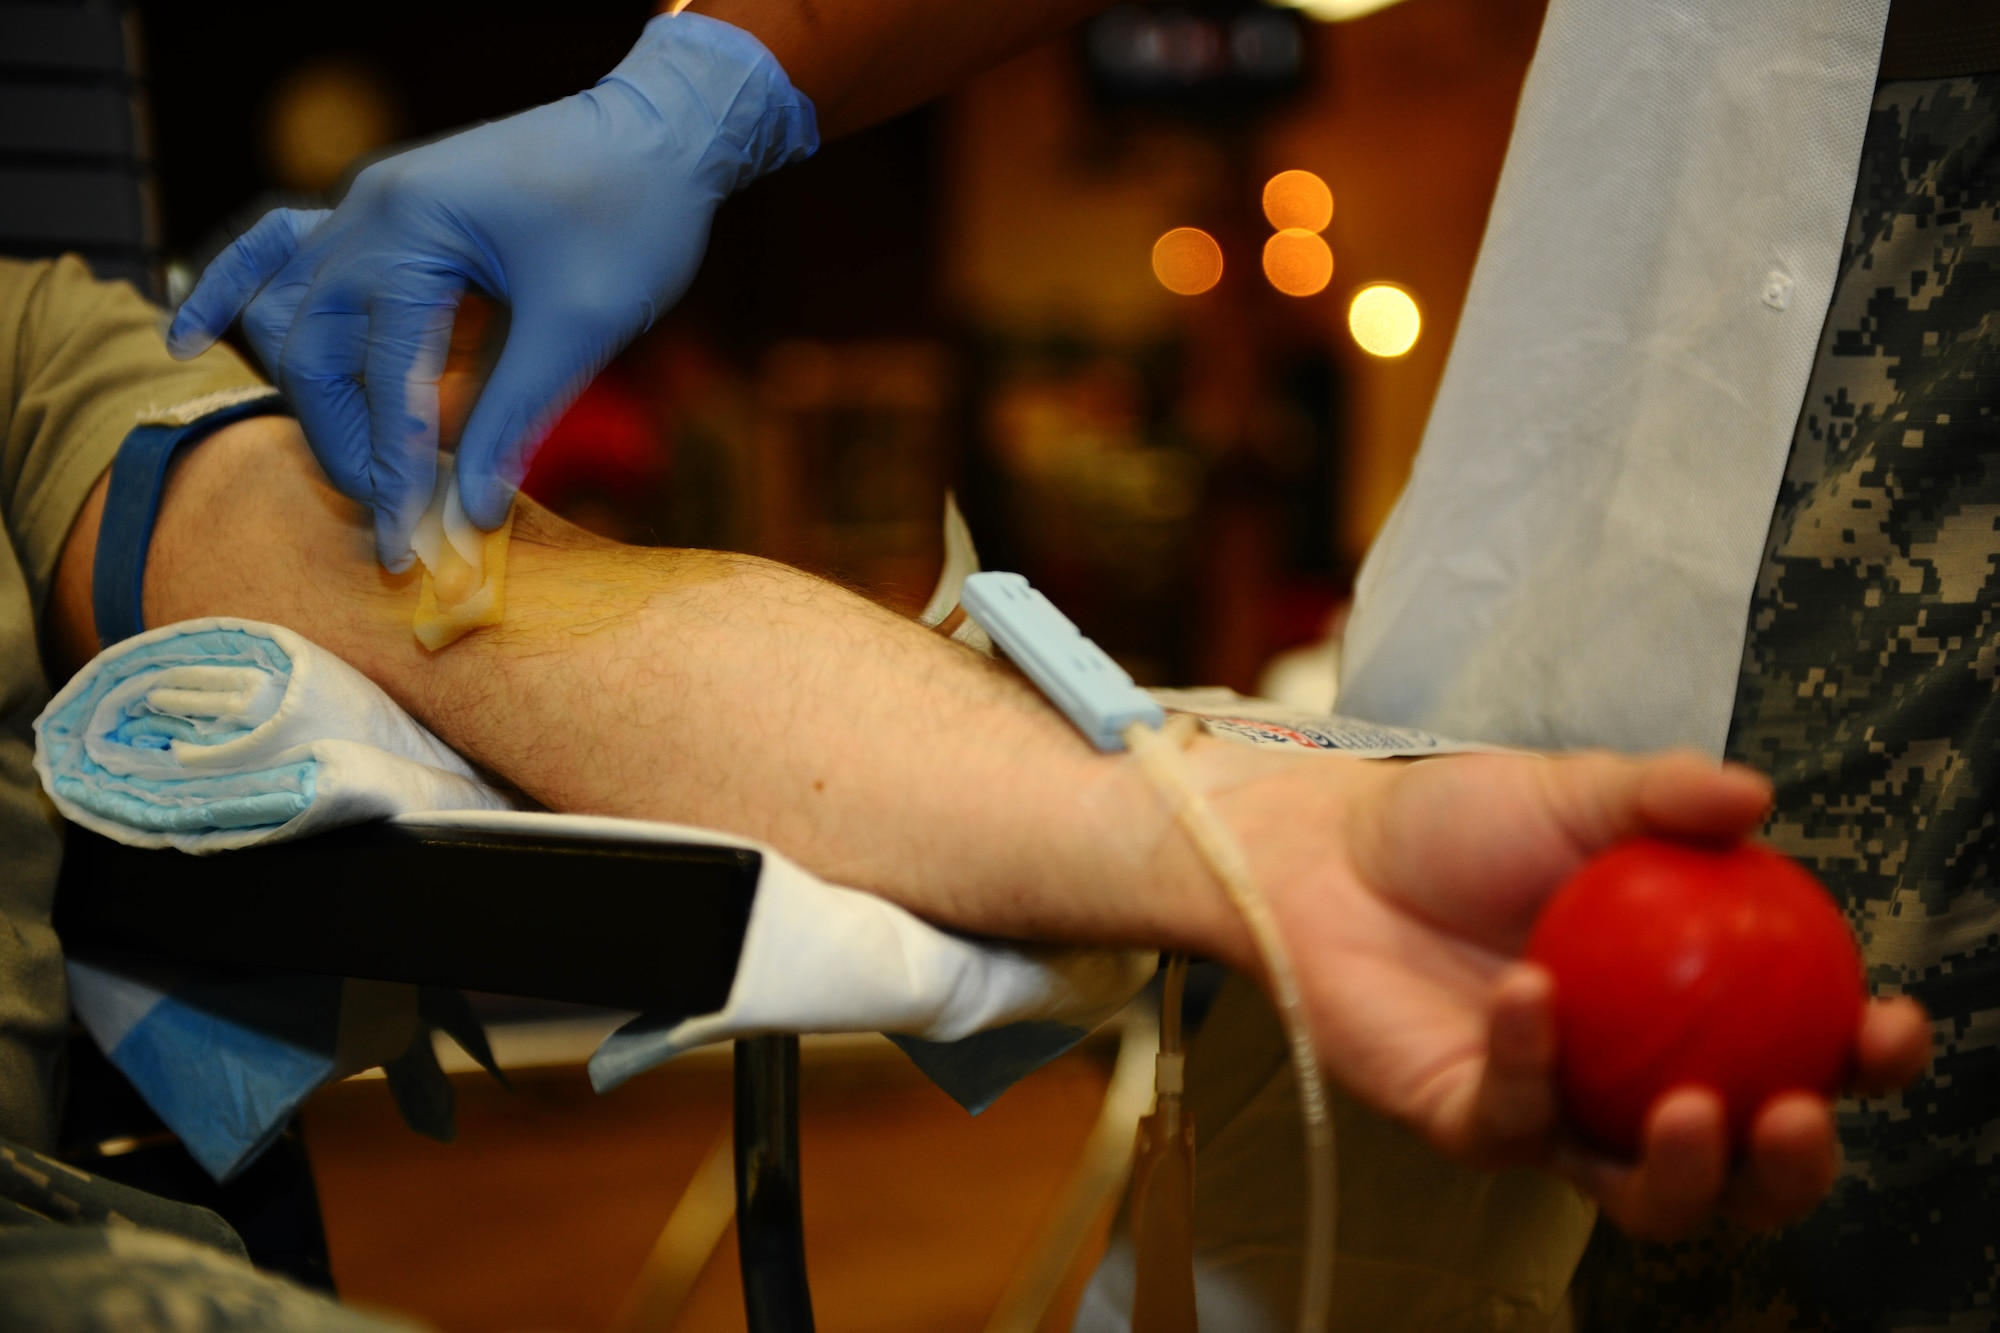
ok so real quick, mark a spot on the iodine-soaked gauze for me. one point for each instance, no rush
(465, 570)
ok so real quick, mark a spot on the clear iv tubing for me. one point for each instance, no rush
(1158, 755)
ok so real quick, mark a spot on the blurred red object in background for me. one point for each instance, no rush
(605, 446)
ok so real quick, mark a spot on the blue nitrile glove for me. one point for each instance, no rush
(587, 216)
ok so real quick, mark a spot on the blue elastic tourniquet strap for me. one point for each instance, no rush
(132, 503)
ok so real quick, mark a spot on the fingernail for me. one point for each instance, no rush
(186, 344)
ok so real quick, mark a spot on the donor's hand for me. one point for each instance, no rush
(1407, 893)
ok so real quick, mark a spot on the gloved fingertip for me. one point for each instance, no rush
(392, 546)
(485, 500)
(186, 339)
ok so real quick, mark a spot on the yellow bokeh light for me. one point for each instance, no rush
(1187, 261)
(1336, 11)
(1298, 262)
(1298, 199)
(1384, 320)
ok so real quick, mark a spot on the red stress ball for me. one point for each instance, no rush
(1727, 967)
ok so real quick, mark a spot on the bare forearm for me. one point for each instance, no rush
(709, 689)
(865, 60)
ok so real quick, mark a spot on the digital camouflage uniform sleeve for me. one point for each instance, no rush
(1870, 692)
(123, 1279)
(81, 1254)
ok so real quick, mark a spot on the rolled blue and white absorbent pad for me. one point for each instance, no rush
(217, 734)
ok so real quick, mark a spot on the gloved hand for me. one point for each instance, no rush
(587, 216)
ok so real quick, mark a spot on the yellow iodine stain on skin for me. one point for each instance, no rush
(456, 598)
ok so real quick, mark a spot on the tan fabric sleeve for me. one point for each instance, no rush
(80, 363)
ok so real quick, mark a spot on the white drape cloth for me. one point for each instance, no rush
(1573, 559)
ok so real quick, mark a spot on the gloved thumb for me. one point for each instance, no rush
(546, 363)
(234, 277)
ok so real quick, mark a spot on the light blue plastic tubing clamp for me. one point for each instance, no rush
(1092, 691)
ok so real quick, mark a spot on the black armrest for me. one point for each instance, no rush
(624, 925)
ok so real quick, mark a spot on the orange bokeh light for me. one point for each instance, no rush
(1298, 262)
(1298, 200)
(1187, 261)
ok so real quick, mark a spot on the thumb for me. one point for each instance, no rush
(235, 276)
(547, 362)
